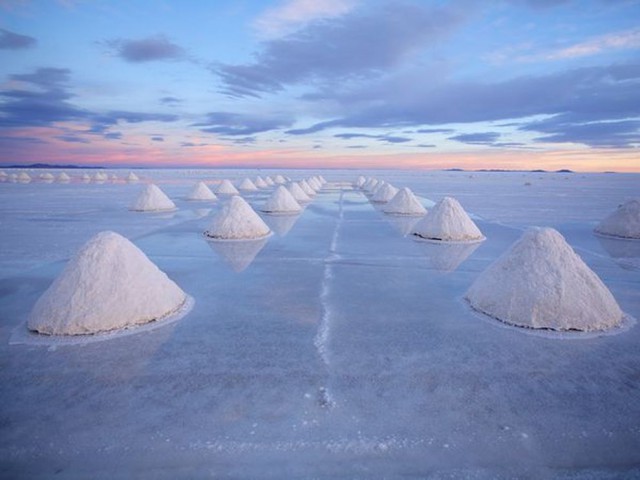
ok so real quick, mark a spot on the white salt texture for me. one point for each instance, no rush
(152, 199)
(281, 201)
(279, 179)
(540, 282)
(63, 177)
(306, 188)
(298, 193)
(624, 222)
(108, 285)
(247, 185)
(404, 203)
(227, 188)
(448, 222)
(200, 191)
(236, 220)
(384, 193)
(132, 177)
(260, 183)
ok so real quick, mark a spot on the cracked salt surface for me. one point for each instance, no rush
(340, 349)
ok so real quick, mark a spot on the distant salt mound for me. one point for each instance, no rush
(282, 202)
(448, 222)
(3, 174)
(298, 193)
(269, 181)
(624, 222)
(86, 178)
(200, 191)
(227, 188)
(306, 188)
(132, 177)
(404, 203)
(108, 285)
(260, 183)
(63, 177)
(23, 177)
(47, 177)
(360, 181)
(237, 221)
(373, 184)
(279, 179)
(152, 199)
(540, 282)
(100, 177)
(315, 183)
(384, 193)
(247, 185)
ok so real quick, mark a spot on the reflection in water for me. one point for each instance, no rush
(201, 212)
(238, 254)
(281, 224)
(403, 223)
(625, 252)
(447, 257)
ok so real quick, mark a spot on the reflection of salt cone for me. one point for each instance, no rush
(238, 254)
(281, 224)
(447, 257)
(201, 212)
(402, 223)
(625, 252)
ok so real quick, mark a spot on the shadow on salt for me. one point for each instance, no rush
(23, 336)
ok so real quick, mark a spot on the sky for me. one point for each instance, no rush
(503, 84)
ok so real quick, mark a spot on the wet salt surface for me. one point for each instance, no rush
(342, 349)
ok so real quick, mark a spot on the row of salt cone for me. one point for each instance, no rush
(63, 177)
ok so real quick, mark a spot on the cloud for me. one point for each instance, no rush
(593, 94)
(72, 139)
(157, 138)
(484, 138)
(171, 101)
(615, 41)
(113, 135)
(610, 134)
(146, 49)
(382, 138)
(293, 14)
(358, 45)
(228, 123)
(15, 41)
(435, 130)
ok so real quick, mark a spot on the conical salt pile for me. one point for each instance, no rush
(86, 178)
(260, 183)
(360, 181)
(269, 181)
(624, 222)
(282, 202)
(297, 193)
(373, 184)
(63, 177)
(306, 188)
(404, 203)
(314, 183)
(100, 177)
(24, 177)
(384, 193)
(109, 284)
(448, 222)
(200, 191)
(227, 188)
(247, 185)
(132, 177)
(540, 282)
(152, 199)
(237, 221)
(279, 179)
(47, 177)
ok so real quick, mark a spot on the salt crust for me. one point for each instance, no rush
(200, 191)
(282, 202)
(448, 222)
(109, 284)
(297, 193)
(247, 185)
(404, 203)
(622, 223)
(152, 199)
(227, 188)
(236, 220)
(540, 282)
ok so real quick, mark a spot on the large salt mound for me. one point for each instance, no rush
(227, 188)
(152, 199)
(540, 282)
(624, 222)
(108, 285)
(281, 202)
(448, 222)
(200, 191)
(260, 183)
(404, 203)
(384, 193)
(236, 220)
(247, 185)
(298, 193)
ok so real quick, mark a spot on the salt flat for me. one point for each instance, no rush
(336, 347)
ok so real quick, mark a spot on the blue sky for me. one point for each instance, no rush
(427, 84)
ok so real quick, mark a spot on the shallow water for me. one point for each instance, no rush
(337, 347)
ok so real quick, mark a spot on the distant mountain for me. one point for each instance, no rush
(46, 165)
